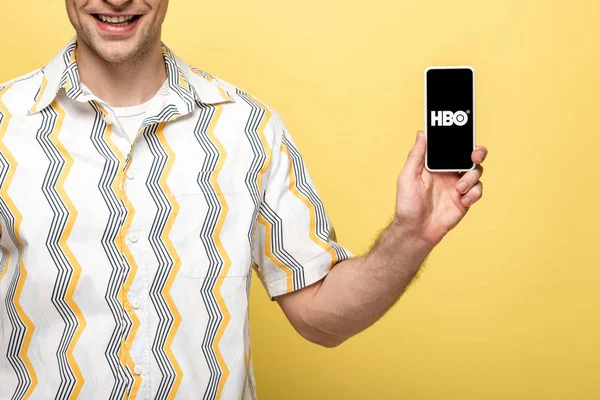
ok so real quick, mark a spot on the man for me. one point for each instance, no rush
(136, 193)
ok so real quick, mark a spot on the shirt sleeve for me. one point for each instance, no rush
(295, 242)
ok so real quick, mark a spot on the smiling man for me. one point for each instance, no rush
(137, 194)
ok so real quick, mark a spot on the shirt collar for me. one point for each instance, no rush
(190, 86)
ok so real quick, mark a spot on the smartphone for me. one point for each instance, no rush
(449, 118)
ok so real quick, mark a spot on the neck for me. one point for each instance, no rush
(124, 84)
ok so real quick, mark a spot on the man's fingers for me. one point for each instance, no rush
(472, 195)
(479, 154)
(416, 157)
(468, 180)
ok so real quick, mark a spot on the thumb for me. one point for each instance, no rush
(415, 161)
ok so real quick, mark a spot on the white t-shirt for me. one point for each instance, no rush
(131, 118)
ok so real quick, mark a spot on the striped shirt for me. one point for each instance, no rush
(125, 267)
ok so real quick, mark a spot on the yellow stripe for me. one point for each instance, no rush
(183, 83)
(68, 84)
(63, 243)
(207, 77)
(73, 56)
(271, 256)
(311, 210)
(117, 187)
(40, 95)
(217, 238)
(222, 92)
(176, 260)
(23, 272)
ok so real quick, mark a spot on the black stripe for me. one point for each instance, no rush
(174, 74)
(65, 269)
(322, 223)
(72, 72)
(165, 262)
(215, 261)
(255, 117)
(18, 331)
(278, 247)
(123, 380)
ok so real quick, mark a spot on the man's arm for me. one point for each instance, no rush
(359, 291)
(356, 292)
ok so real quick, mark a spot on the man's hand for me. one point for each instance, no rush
(429, 205)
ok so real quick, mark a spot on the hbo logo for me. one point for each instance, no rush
(447, 118)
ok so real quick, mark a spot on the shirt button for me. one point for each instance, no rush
(135, 303)
(108, 119)
(137, 370)
(133, 237)
(130, 174)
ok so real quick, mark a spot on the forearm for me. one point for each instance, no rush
(358, 292)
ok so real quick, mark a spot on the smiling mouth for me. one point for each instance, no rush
(123, 20)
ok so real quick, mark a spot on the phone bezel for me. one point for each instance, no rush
(425, 113)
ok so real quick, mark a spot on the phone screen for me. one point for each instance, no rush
(449, 118)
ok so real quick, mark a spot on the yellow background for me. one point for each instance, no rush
(508, 306)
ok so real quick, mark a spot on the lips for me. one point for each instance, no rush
(116, 24)
(121, 20)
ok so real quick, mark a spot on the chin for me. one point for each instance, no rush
(115, 52)
(119, 58)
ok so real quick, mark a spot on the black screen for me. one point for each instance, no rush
(450, 132)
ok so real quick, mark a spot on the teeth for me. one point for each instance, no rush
(115, 20)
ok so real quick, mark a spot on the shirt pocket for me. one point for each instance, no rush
(210, 233)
